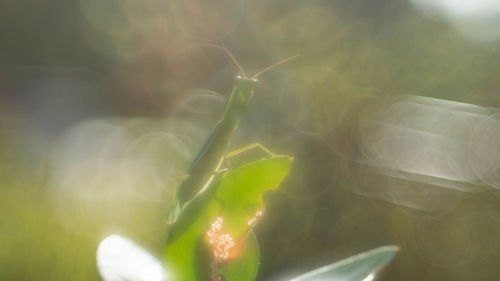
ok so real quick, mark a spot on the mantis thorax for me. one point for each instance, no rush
(240, 97)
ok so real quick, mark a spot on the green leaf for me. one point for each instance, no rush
(355, 268)
(235, 196)
(246, 267)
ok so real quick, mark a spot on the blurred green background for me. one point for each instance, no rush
(104, 103)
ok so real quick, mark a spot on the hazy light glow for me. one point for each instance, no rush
(120, 259)
(462, 8)
(423, 137)
(117, 172)
(477, 19)
(437, 142)
(108, 171)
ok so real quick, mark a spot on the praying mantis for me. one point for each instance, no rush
(194, 204)
(213, 152)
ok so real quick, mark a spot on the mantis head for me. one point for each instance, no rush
(243, 78)
(246, 87)
(247, 84)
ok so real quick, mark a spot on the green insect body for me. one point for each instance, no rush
(235, 194)
(212, 152)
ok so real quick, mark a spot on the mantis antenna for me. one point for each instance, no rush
(273, 65)
(236, 63)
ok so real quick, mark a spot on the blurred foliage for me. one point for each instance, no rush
(67, 62)
(362, 266)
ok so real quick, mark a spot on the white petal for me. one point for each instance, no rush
(120, 259)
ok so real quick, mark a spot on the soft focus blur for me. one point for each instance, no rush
(392, 113)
